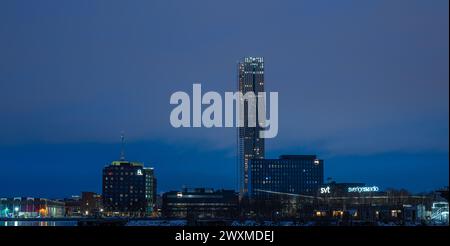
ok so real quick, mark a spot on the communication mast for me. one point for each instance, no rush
(122, 148)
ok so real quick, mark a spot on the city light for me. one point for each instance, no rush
(363, 189)
(325, 190)
(202, 122)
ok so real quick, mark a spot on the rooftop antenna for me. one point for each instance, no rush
(122, 149)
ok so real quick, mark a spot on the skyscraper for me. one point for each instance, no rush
(250, 144)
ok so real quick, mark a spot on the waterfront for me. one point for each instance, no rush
(39, 223)
(70, 222)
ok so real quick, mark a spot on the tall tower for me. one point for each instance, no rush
(250, 145)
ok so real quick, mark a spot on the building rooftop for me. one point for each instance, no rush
(129, 163)
(296, 157)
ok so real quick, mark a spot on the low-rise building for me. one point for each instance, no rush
(91, 204)
(29, 207)
(200, 203)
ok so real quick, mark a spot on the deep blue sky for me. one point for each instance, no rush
(363, 84)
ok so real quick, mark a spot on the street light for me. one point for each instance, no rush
(16, 211)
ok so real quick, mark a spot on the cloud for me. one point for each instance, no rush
(348, 80)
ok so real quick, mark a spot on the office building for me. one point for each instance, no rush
(351, 203)
(250, 144)
(293, 174)
(126, 188)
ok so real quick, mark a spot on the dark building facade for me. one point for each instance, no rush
(352, 203)
(200, 203)
(294, 174)
(91, 203)
(250, 144)
(150, 189)
(72, 206)
(126, 189)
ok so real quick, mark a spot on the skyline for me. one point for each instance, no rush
(362, 85)
(335, 167)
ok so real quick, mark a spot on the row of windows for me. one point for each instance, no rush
(285, 162)
(286, 172)
(284, 182)
(121, 187)
(121, 178)
(125, 208)
(284, 165)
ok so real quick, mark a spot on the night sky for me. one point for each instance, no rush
(362, 84)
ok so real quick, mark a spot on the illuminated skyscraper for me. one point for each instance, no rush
(250, 145)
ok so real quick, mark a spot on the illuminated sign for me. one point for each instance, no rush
(316, 162)
(361, 189)
(325, 190)
(139, 172)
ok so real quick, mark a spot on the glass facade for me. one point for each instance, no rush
(293, 174)
(200, 203)
(250, 145)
